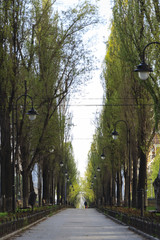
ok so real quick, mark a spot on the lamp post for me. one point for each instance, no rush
(32, 116)
(144, 69)
(65, 191)
(115, 136)
(112, 184)
(103, 153)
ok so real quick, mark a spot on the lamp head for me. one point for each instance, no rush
(61, 164)
(143, 70)
(98, 169)
(102, 156)
(115, 134)
(32, 113)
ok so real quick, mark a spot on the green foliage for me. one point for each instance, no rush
(127, 98)
(87, 189)
(2, 214)
(155, 166)
(42, 56)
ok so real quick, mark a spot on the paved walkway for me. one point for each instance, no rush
(78, 224)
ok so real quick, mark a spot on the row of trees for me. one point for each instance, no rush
(41, 56)
(130, 105)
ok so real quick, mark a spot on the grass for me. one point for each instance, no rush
(151, 208)
(152, 216)
(4, 216)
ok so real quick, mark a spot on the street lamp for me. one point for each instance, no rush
(103, 153)
(143, 69)
(32, 116)
(98, 169)
(61, 164)
(103, 156)
(112, 176)
(32, 113)
(65, 190)
(115, 136)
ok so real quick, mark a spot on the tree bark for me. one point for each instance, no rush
(6, 166)
(25, 181)
(142, 176)
(58, 193)
(134, 185)
(45, 182)
(119, 188)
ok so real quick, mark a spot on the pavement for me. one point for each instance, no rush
(78, 224)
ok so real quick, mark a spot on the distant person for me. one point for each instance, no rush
(32, 199)
(85, 204)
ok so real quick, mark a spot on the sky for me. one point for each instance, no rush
(86, 105)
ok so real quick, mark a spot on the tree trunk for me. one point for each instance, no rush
(39, 186)
(126, 187)
(142, 177)
(119, 188)
(58, 193)
(31, 185)
(45, 183)
(25, 181)
(51, 188)
(134, 185)
(6, 166)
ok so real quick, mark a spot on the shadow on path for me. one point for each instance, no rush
(78, 224)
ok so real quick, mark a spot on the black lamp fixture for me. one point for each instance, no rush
(143, 69)
(61, 164)
(103, 156)
(98, 169)
(115, 134)
(32, 113)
